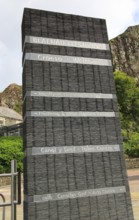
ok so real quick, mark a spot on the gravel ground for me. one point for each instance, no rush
(134, 188)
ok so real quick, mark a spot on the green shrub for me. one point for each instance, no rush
(11, 148)
(131, 146)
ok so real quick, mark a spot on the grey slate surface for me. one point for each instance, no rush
(71, 172)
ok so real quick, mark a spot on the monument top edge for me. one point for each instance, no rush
(26, 10)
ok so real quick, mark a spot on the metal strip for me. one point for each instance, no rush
(13, 189)
(76, 194)
(67, 59)
(70, 94)
(7, 204)
(69, 114)
(66, 43)
(72, 149)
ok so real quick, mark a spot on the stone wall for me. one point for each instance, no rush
(7, 180)
(132, 163)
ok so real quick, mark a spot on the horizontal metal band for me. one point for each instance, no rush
(67, 59)
(75, 194)
(70, 94)
(72, 149)
(69, 114)
(66, 43)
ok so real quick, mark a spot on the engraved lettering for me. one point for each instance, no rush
(67, 59)
(79, 194)
(48, 150)
(35, 40)
(67, 43)
(74, 149)
(47, 198)
(70, 149)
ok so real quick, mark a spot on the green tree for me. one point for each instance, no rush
(128, 100)
(11, 148)
(131, 147)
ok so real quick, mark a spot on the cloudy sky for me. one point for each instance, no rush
(119, 14)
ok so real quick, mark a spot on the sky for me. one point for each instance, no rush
(119, 15)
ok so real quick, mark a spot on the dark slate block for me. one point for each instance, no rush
(58, 173)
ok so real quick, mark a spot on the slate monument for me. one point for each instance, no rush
(74, 167)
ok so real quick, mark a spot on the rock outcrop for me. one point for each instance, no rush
(125, 52)
(11, 97)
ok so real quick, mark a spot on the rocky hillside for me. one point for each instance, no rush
(125, 52)
(11, 97)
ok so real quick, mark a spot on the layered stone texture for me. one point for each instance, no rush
(48, 175)
(125, 52)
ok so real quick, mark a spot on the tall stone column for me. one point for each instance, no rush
(74, 167)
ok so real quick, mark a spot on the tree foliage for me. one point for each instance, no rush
(128, 101)
(128, 96)
(11, 148)
(131, 146)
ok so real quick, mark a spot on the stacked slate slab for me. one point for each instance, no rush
(74, 167)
